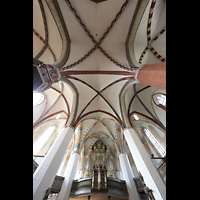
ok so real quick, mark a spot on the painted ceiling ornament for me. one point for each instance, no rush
(97, 44)
(44, 75)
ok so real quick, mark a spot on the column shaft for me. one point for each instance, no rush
(144, 164)
(153, 75)
(131, 187)
(45, 174)
(69, 177)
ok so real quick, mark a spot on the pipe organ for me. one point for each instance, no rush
(100, 154)
(99, 178)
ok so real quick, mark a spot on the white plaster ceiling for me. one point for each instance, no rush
(97, 17)
(157, 24)
(54, 39)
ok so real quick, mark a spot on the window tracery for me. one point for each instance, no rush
(155, 142)
(160, 100)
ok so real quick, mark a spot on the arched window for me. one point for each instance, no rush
(43, 139)
(37, 98)
(160, 100)
(160, 149)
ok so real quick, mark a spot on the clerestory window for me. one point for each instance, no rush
(43, 139)
(155, 142)
(161, 99)
(37, 98)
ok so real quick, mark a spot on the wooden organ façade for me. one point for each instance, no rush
(99, 178)
(100, 155)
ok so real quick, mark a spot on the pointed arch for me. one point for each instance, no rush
(74, 107)
(123, 91)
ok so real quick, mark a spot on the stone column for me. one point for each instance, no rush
(130, 184)
(45, 174)
(144, 164)
(153, 75)
(69, 177)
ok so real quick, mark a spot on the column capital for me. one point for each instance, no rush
(70, 127)
(76, 152)
(127, 128)
(136, 72)
(44, 75)
(121, 153)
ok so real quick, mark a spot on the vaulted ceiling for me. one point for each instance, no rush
(86, 40)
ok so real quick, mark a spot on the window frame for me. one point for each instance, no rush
(155, 142)
(155, 100)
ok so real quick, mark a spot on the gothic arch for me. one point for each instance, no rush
(74, 107)
(122, 102)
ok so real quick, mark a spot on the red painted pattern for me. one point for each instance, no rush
(77, 72)
(153, 75)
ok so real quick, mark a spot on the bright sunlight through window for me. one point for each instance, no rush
(155, 142)
(44, 138)
(136, 117)
(162, 99)
(37, 98)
